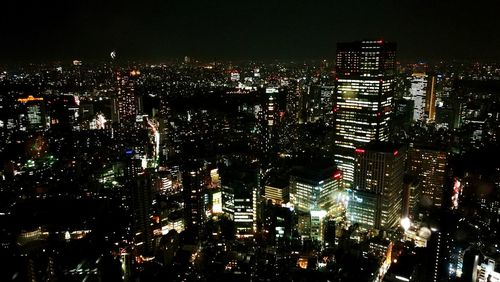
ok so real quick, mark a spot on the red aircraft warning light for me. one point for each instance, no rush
(337, 175)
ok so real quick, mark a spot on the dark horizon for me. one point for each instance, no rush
(281, 30)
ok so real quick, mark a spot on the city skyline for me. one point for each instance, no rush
(250, 141)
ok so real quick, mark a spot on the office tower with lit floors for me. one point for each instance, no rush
(313, 188)
(363, 104)
(375, 200)
(192, 181)
(423, 94)
(241, 198)
(429, 165)
(139, 188)
(126, 103)
(142, 213)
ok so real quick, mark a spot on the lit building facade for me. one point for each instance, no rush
(240, 198)
(126, 102)
(430, 167)
(376, 196)
(33, 116)
(192, 182)
(278, 194)
(142, 212)
(312, 190)
(423, 94)
(364, 91)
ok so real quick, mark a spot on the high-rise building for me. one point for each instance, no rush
(241, 196)
(430, 99)
(126, 102)
(364, 90)
(192, 182)
(376, 196)
(423, 94)
(138, 183)
(319, 103)
(33, 116)
(273, 110)
(142, 212)
(411, 196)
(417, 94)
(317, 189)
(276, 192)
(429, 165)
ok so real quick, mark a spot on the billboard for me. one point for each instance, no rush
(217, 202)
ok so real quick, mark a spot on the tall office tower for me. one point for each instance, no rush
(314, 189)
(364, 89)
(192, 182)
(138, 185)
(241, 196)
(142, 212)
(411, 196)
(126, 102)
(417, 94)
(423, 93)
(166, 124)
(430, 99)
(273, 111)
(32, 116)
(272, 106)
(320, 103)
(376, 197)
(133, 166)
(429, 166)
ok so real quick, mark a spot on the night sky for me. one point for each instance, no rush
(232, 30)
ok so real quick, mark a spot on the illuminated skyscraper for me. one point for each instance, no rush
(33, 115)
(142, 212)
(417, 92)
(241, 195)
(430, 99)
(364, 91)
(317, 189)
(138, 183)
(126, 102)
(192, 181)
(376, 196)
(273, 111)
(430, 167)
(423, 94)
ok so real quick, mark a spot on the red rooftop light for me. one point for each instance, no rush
(396, 152)
(359, 150)
(337, 175)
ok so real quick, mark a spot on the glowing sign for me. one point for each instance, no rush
(457, 190)
(360, 151)
(214, 177)
(318, 213)
(217, 202)
(29, 99)
(337, 175)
